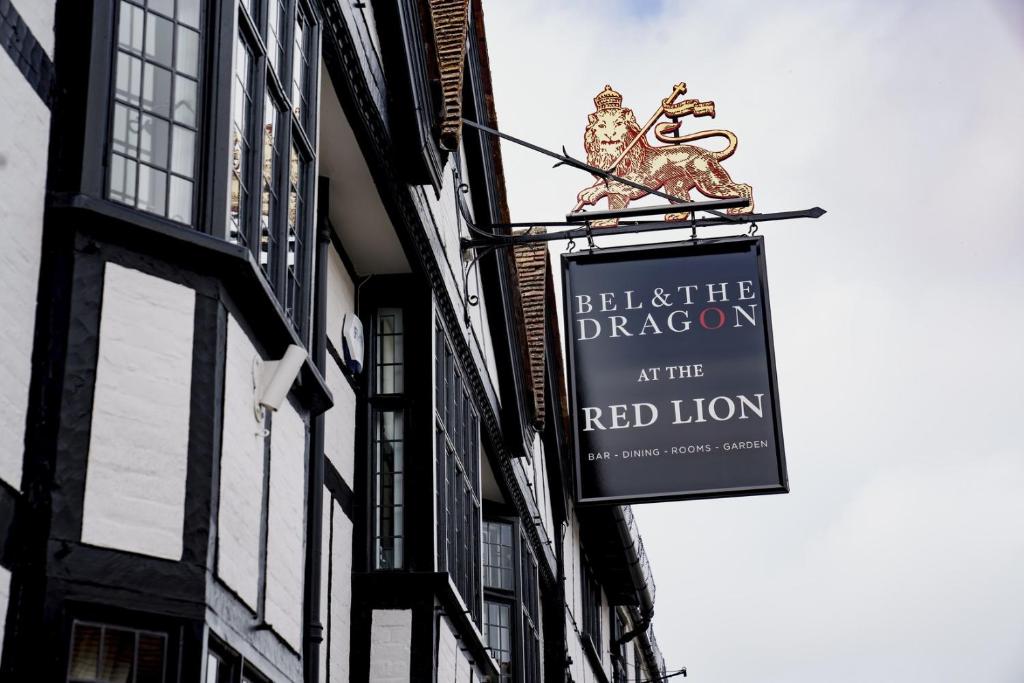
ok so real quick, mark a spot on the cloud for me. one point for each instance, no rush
(897, 318)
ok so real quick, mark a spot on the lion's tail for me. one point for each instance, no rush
(662, 133)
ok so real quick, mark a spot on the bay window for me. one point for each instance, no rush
(457, 454)
(272, 145)
(154, 133)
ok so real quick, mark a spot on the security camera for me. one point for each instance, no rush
(273, 379)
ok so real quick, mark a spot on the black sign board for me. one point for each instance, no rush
(672, 372)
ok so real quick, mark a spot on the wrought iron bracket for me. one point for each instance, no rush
(580, 224)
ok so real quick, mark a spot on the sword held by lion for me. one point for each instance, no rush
(615, 142)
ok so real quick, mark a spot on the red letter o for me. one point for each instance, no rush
(721, 318)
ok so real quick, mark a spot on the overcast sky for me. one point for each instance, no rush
(898, 318)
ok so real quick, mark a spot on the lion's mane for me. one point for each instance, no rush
(602, 156)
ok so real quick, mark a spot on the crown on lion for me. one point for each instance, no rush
(608, 99)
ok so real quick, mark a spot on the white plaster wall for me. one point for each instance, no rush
(341, 296)
(447, 653)
(390, 636)
(138, 446)
(24, 138)
(325, 581)
(341, 595)
(286, 525)
(241, 473)
(5, 596)
(38, 16)
(340, 424)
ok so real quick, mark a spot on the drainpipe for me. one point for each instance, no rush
(639, 571)
(315, 499)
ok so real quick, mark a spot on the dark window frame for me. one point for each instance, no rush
(380, 403)
(523, 598)
(458, 448)
(239, 669)
(293, 150)
(169, 661)
(199, 127)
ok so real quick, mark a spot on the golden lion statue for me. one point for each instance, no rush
(676, 167)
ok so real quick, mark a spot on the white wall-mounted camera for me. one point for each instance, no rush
(352, 342)
(272, 380)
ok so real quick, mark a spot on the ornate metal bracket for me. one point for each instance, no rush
(500, 236)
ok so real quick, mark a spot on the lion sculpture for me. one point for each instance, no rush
(677, 167)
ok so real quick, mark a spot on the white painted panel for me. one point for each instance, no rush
(341, 296)
(325, 583)
(447, 653)
(390, 637)
(5, 596)
(286, 525)
(241, 473)
(23, 143)
(138, 446)
(38, 16)
(341, 595)
(340, 424)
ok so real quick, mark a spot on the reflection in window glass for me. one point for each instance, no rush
(296, 211)
(498, 634)
(241, 151)
(106, 654)
(498, 563)
(389, 349)
(268, 200)
(152, 165)
(388, 489)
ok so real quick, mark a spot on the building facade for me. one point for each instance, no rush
(263, 419)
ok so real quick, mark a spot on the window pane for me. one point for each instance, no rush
(183, 151)
(156, 90)
(299, 67)
(152, 194)
(125, 133)
(180, 203)
(128, 84)
(268, 202)
(389, 463)
(118, 655)
(153, 141)
(148, 93)
(188, 12)
(150, 658)
(187, 57)
(185, 100)
(159, 39)
(241, 113)
(162, 6)
(131, 22)
(122, 179)
(85, 648)
(296, 218)
(277, 19)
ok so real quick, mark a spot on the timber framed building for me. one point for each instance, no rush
(191, 189)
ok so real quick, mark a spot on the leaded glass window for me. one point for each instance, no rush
(155, 112)
(272, 160)
(107, 654)
(457, 453)
(388, 415)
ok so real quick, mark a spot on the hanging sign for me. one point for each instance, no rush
(672, 372)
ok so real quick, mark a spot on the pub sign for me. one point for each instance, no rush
(672, 372)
